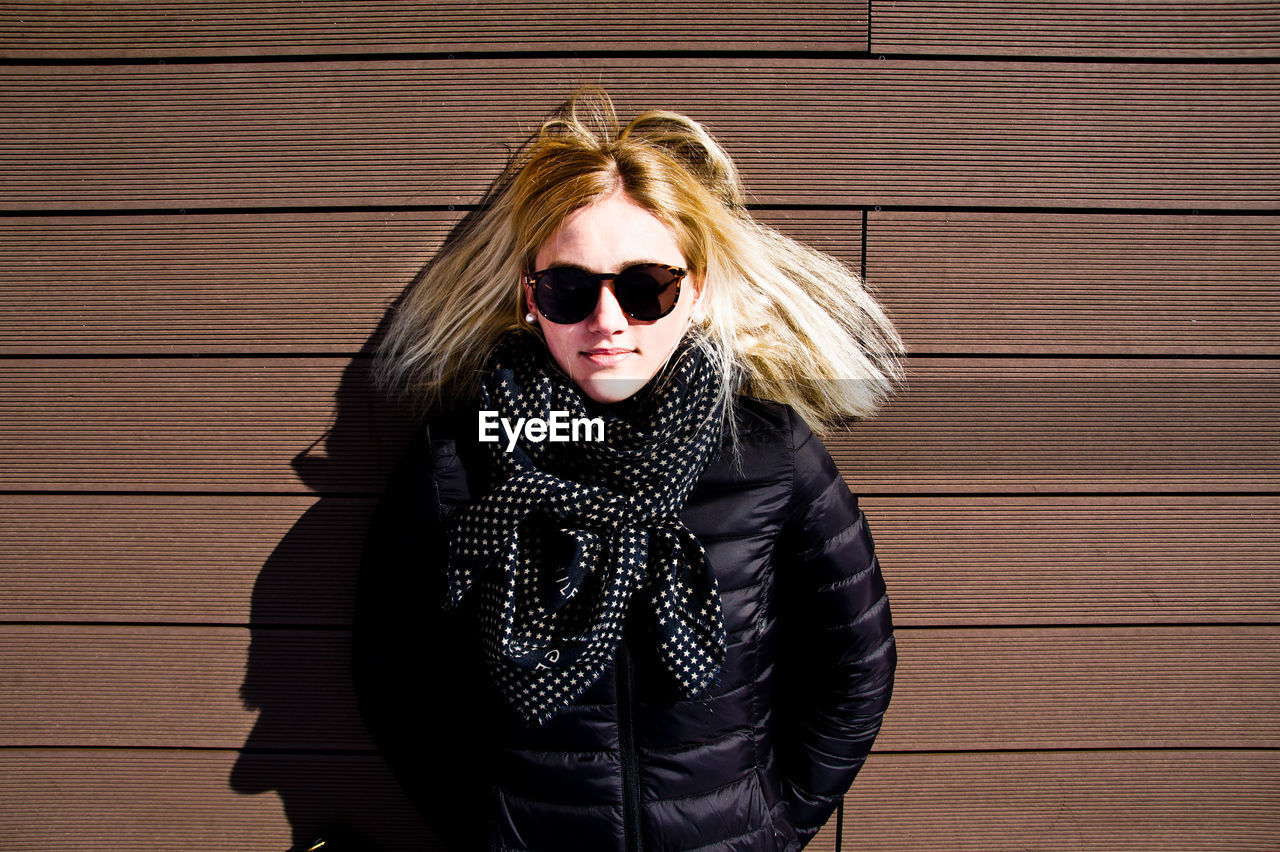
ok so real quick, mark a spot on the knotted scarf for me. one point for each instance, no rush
(571, 531)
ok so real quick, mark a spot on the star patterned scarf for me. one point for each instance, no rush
(572, 532)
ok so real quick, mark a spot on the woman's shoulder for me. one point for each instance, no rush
(773, 442)
(755, 416)
(758, 420)
(758, 447)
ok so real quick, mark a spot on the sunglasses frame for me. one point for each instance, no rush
(532, 279)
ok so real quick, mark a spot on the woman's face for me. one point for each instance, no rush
(610, 355)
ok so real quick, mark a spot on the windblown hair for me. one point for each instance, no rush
(789, 323)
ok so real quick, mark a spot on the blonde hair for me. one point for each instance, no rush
(788, 323)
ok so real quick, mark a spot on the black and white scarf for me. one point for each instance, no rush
(571, 532)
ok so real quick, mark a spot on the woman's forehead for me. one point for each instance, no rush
(609, 234)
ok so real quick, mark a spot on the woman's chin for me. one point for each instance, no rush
(605, 388)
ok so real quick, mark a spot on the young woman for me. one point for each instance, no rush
(619, 596)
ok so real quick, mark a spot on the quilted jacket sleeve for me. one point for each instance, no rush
(836, 650)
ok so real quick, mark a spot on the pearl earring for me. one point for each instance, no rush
(530, 318)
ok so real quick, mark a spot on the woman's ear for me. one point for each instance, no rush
(699, 313)
(531, 309)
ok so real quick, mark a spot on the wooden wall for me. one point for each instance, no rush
(1069, 207)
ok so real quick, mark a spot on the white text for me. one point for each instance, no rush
(559, 427)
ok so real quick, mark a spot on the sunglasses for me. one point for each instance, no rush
(567, 294)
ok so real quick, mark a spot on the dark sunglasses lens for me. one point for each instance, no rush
(566, 295)
(646, 292)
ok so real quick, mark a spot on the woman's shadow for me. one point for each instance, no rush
(356, 564)
(309, 743)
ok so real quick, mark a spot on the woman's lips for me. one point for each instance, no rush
(606, 357)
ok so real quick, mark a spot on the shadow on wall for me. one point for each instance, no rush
(309, 743)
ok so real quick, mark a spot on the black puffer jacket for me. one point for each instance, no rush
(758, 763)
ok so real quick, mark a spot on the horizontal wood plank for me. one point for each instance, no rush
(197, 425)
(180, 687)
(1108, 801)
(948, 560)
(1054, 560)
(130, 28)
(963, 425)
(1179, 801)
(181, 558)
(812, 132)
(155, 800)
(1080, 28)
(314, 282)
(1075, 284)
(1085, 687)
(956, 688)
(1037, 425)
(953, 282)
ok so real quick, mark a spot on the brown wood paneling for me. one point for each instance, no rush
(156, 800)
(180, 558)
(171, 686)
(1058, 424)
(1085, 687)
(1155, 28)
(948, 560)
(1179, 801)
(813, 131)
(1097, 559)
(196, 424)
(956, 688)
(129, 28)
(1009, 425)
(306, 282)
(1074, 284)
(1106, 801)
(267, 283)
(1111, 658)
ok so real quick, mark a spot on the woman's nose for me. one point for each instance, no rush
(608, 316)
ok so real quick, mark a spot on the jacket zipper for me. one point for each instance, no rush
(631, 839)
